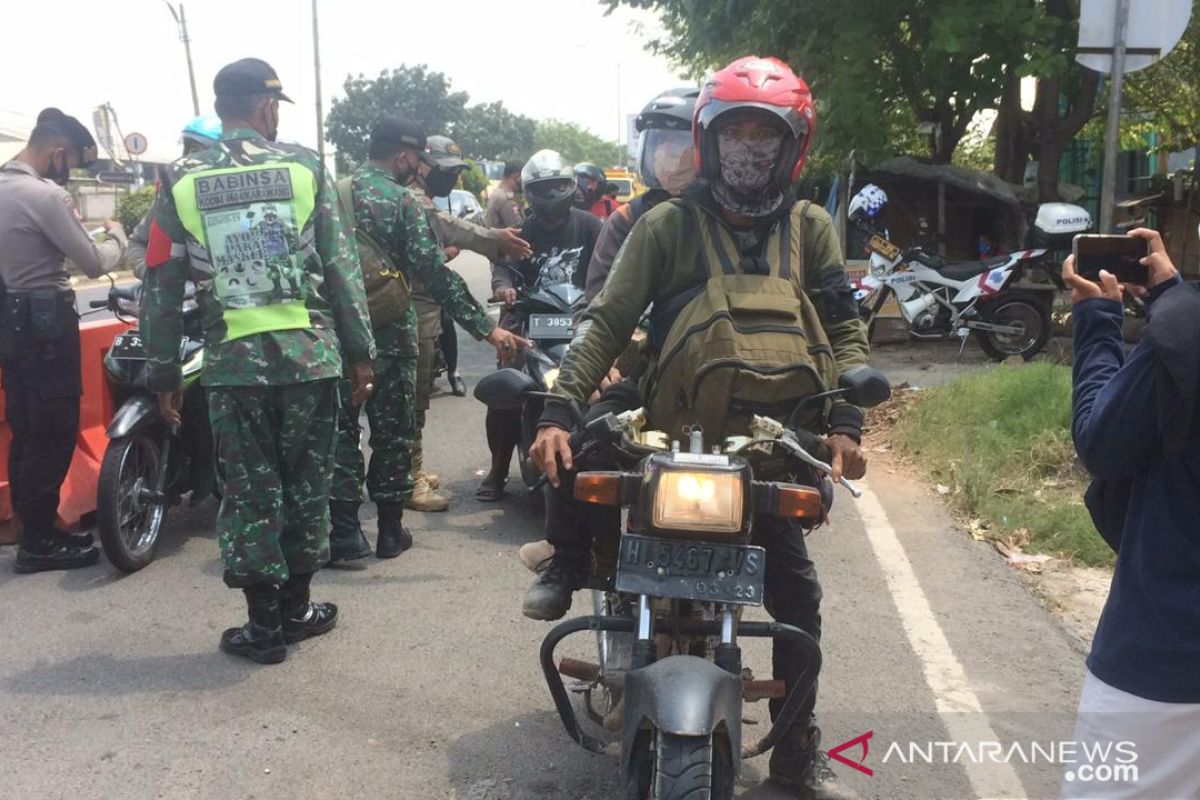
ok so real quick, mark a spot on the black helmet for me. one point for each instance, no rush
(585, 174)
(548, 184)
(673, 110)
(665, 144)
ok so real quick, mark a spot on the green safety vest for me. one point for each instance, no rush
(249, 227)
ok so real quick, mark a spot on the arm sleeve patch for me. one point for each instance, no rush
(158, 249)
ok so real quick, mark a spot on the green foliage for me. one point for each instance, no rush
(577, 144)
(1001, 440)
(484, 130)
(877, 67)
(411, 92)
(473, 179)
(491, 131)
(133, 206)
(1165, 98)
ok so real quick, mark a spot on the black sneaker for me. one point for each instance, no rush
(549, 597)
(253, 641)
(58, 555)
(798, 763)
(260, 639)
(314, 619)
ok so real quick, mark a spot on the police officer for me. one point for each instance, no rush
(255, 225)
(436, 176)
(39, 330)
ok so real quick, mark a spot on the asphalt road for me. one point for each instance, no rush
(112, 687)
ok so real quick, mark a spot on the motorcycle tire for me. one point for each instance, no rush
(691, 768)
(1025, 308)
(130, 501)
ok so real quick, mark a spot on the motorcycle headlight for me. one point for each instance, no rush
(550, 376)
(699, 501)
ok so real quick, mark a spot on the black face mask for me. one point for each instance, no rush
(59, 174)
(439, 181)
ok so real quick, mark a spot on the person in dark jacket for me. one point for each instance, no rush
(1134, 426)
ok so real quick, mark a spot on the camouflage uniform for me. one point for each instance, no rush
(276, 275)
(393, 216)
(450, 231)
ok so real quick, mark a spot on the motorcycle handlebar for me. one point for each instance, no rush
(98, 304)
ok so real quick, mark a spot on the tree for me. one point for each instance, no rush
(411, 92)
(133, 206)
(874, 65)
(473, 179)
(576, 143)
(1165, 99)
(491, 131)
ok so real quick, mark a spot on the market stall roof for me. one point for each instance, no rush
(967, 180)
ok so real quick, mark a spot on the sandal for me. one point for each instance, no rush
(491, 491)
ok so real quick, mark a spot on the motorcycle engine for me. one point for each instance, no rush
(925, 321)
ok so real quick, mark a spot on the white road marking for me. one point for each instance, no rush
(961, 711)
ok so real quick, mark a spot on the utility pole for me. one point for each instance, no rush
(1112, 136)
(317, 67)
(181, 22)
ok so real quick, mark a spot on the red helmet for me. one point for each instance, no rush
(764, 83)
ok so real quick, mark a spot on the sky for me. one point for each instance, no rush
(543, 58)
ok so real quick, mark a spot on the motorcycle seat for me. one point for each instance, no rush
(969, 269)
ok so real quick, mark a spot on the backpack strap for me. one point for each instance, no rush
(791, 240)
(716, 245)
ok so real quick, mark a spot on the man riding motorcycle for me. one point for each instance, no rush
(561, 238)
(752, 128)
(591, 196)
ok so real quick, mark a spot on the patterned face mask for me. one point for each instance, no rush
(746, 166)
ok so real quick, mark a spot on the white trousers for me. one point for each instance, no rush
(1151, 750)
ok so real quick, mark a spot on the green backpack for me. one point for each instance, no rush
(388, 292)
(745, 343)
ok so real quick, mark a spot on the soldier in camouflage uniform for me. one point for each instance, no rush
(255, 225)
(436, 177)
(392, 216)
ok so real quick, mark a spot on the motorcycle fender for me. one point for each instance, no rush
(686, 696)
(139, 411)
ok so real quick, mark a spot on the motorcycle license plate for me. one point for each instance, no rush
(129, 347)
(687, 570)
(551, 326)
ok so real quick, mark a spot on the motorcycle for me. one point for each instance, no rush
(544, 315)
(148, 466)
(669, 590)
(943, 300)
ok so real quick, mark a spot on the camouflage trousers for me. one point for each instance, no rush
(391, 412)
(426, 363)
(274, 448)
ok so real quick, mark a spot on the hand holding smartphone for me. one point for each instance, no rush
(1119, 255)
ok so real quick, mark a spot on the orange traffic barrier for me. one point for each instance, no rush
(78, 498)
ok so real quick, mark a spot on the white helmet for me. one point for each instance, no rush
(868, 203)
(549, 184)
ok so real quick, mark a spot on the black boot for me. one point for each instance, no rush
(549, 597)
(260, 639)
(52, 553)
(346, 539)
(302, 617)
(394, 538)
(82, 539)
(798, 763)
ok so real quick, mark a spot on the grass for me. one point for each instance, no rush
(1001, 440)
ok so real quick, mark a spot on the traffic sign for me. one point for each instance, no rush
(116, 177)
(1154, 28)
(135, 144)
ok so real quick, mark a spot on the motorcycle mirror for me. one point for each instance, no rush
(504, 389)
(865, 387)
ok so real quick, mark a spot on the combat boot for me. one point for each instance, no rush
(549, 597)
(394, 538)
(261, 639)
(346, 539)
(798, 763)
(53, 554)
(424, 498)
(434, 480)
(302, 617)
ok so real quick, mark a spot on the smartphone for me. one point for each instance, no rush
(1120, 255)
